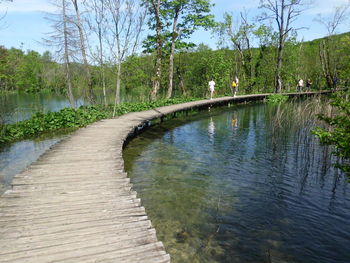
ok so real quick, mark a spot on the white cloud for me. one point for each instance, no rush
(26, 6)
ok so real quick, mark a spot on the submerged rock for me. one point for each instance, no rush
(182, 236)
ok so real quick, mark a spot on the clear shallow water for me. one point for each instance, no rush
(244, 184)
(15, 157)
(16, 107)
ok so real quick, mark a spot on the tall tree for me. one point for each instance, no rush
(97, 23)
(240, 36)
(66, 54)
(63, 38)
(126, 21)
(284, 12)
(328, 45)
(155, 23)
(82, 45)
(186, 17)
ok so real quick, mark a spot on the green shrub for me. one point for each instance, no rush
(69, 118)
(276, 98)
(339, 133)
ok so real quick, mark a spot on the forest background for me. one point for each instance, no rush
(139, 50)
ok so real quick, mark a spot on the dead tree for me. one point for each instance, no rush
(63, 39)
(97, 23)
(126, 21)
(82, 45)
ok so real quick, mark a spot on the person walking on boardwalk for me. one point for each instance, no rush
(300, 85)
(211, 88)
(234, 88)
(237, 84)
(308, 85)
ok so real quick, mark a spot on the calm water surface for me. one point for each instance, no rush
(244, 184)
(15, 157)
(16, 107)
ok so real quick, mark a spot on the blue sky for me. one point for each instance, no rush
(24, 24)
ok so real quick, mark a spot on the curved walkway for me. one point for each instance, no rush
(76, 204)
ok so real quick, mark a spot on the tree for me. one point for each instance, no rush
(155, 23)
(63, 38)
(284, 12)
(28, 73)
(126, 21)
(66, 54)
(241, 38)
(339, 134)
(186, 17)
(328, 46)
(97, 23)
(82, 41)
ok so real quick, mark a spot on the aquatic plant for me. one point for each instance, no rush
(71, 119)
(338, 131)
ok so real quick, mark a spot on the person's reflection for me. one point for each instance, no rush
(211, 129)
(234, 121)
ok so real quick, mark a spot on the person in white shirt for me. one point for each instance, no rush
(211, 88)
(300, 85)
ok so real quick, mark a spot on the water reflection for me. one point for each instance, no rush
(211, 130)
(234, 122)
(264, 193)
(16, 107)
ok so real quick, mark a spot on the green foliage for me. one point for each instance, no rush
(193, 67)
(69, 118)
(338, 133)
(277, 98)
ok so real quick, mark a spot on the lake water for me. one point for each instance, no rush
(243, 184)
(15, 157)
(15, 107)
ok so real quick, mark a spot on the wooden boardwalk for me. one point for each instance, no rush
(76, 204)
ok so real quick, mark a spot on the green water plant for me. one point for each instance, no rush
(337, 132)
(276, 98)
(71, 119)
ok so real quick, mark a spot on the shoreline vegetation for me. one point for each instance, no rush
(74, 118)
(70, 119)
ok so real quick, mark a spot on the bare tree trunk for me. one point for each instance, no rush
(102, 72)
(66, 57)
(325, 63)
(117, 90)
(171, 58)
(278, 86)
(97, 22)
(156, 79)
(91, 95)
(127, 19)
(284, 12)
